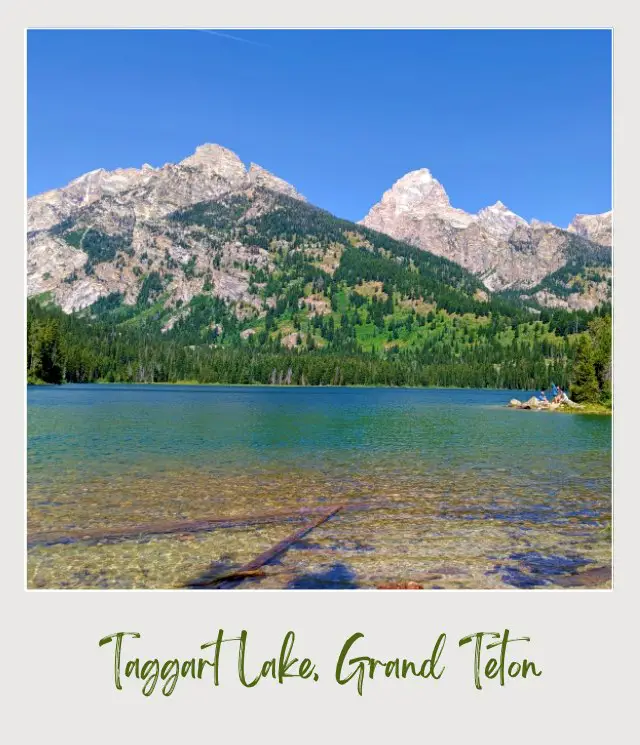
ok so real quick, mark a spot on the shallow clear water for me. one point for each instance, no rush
(459, 491)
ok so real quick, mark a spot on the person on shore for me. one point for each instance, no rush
(560, 397)
(542, 396)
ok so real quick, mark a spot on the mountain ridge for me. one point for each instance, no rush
(213, 271)
(213, 163)
(85, 239)
(499, 246)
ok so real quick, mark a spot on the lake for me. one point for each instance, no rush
(444, 488)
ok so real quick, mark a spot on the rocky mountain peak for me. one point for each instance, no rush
(260, 177)
(497, 208)
(596, 228)
(417, 189)
(48, 209)
(414, 197)
(421, 179)
(499, 220)
(206, 174)
(498, 245)
(540, 224)
(135, 209)
(92, 185)
(219, 161)
(210, 153)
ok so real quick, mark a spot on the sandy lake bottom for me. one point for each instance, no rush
(441, 488)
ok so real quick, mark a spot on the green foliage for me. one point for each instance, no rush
(74, 238)
(389, 314)
(43, 349)
(149, 290)
(591, 380)
(564, 322)
(359, 264)
(189, 267)
(98, 246)
(218, 216)
(584, 386)
(583, 261)
(103, 346)
(107, 304)
(199, 325)
(601, 332)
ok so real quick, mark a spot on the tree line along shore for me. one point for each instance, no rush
(65, 348)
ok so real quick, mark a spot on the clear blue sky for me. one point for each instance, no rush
(520, 116)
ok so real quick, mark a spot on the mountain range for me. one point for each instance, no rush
(501, 248)
(211, 271)
(107, 230)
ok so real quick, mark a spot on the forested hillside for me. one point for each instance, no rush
(326, 302)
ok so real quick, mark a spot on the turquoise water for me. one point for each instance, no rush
(460, 484)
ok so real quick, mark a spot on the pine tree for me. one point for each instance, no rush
(584, 388)
(600, 328)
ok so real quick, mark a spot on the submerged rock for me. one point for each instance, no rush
(594, 577)
(400, 586)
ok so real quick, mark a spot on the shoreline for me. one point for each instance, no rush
(598, 409)
(195, 383)
(569, 407)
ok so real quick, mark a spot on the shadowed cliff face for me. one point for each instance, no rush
(496, 244)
